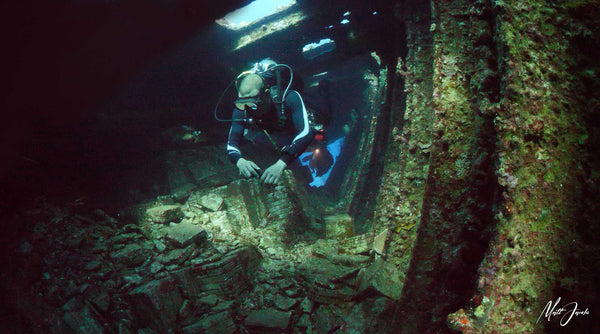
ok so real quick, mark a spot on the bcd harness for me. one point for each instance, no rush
(319, 136)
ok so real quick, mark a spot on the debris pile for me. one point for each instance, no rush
(239, 257)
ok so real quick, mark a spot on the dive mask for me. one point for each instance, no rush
(248, 104)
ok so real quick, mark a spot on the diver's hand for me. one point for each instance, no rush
(247, 168)
(272, 174)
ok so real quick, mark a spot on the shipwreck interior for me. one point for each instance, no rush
(457, 194)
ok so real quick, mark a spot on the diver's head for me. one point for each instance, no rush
(250, 84)
(250, 93)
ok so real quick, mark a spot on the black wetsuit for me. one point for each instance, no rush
(297, 122)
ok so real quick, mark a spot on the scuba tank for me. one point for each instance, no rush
(270, 71)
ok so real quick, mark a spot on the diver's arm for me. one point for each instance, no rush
(236, 133)
(304, 133)
(246, 168)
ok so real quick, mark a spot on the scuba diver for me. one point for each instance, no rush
(266, 103)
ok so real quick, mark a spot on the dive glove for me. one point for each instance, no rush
(247, 168)
(273, 173)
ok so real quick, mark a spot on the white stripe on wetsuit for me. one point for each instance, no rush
(229, 147)
(305, 116)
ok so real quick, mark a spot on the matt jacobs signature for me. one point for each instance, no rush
(565, 312)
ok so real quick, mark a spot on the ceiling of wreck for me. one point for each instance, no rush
(66, 56)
